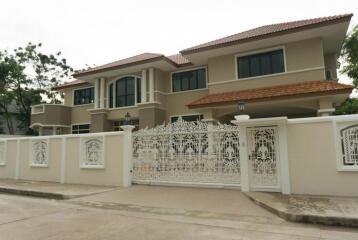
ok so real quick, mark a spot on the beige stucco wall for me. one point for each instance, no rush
(50, 173)
(111, 174)
(80, 114)
(176, 102)
(313, 161)
(8, 170)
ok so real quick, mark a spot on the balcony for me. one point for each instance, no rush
(50, 115)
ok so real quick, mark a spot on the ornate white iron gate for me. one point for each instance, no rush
(187, 152)
(263, 158)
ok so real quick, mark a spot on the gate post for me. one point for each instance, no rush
(244, 160)
(127, 156)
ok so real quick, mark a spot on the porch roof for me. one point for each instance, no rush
(303, 89)
(75, 82)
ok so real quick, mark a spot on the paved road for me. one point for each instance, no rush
(95, 218)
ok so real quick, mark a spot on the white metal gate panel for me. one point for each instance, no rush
(263, 158)
(187, 152)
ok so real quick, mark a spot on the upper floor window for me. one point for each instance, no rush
(189, 80)
(124, 92)
(260, 64)
(83, 96)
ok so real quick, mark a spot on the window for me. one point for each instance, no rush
(189, 80)
(83, 96)
(188, 118)
(261, 64)
(80, 128)
(111, 95)
(124, 92)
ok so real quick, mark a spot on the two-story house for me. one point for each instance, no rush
(286, 69)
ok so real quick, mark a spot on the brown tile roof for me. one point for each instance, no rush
(303, 89)
(268, 31)
(179, 59)
(138, 59)
(73, 83)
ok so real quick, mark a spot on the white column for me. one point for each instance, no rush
(102, 89)
(283, 151)
(40, 131)
(244, 160)
(54, 132)
(144, 86)
(127, 156)
(96, 93)
(151, 84)
(63, 161)
(17, 163)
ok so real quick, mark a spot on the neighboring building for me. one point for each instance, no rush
(4, 130)
(287, 69)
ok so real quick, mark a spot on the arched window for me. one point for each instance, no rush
(125, 91)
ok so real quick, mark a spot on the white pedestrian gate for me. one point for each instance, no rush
(263, 158)
(187, 153)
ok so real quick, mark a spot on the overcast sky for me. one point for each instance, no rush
(100, 31)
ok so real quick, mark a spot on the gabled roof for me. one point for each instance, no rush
(179, 59)
(267, 31)
(302, 89)
(73, 83)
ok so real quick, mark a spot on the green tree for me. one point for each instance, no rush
(349, 58)
(26, 78)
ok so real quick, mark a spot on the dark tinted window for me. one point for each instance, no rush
(80, 128)
(111, 95)
(83, 96)
(125, 89)
(139, 96)
(189, 80)
(261, 64)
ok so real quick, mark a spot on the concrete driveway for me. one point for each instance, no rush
(147, 212)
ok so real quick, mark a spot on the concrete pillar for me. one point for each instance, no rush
(151, 85)
(99, 121)
(210, 123)
(144, 86)
(127, 156)
(54, 132)
(40, 131)
(325, 107)
(102, 93)
(96, 93)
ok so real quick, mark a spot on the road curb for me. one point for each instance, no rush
(306, 218)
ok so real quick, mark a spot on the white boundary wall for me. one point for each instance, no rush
(311, 154)
(96, 158)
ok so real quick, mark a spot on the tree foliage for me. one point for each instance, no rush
(27, 76)
(349, 57)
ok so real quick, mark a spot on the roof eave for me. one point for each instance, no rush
(274, 98)
(159, 58)
(265, 36)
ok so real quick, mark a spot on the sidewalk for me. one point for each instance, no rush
(50, 189)
(342, 211)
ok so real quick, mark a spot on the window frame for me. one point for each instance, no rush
(249, 53)
(78, 124)
(83, 88)
(136, 77)
(187, 70)
(185, 115)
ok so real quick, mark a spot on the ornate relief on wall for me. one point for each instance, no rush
(92, 153)
(39, 152)
(2, 153)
